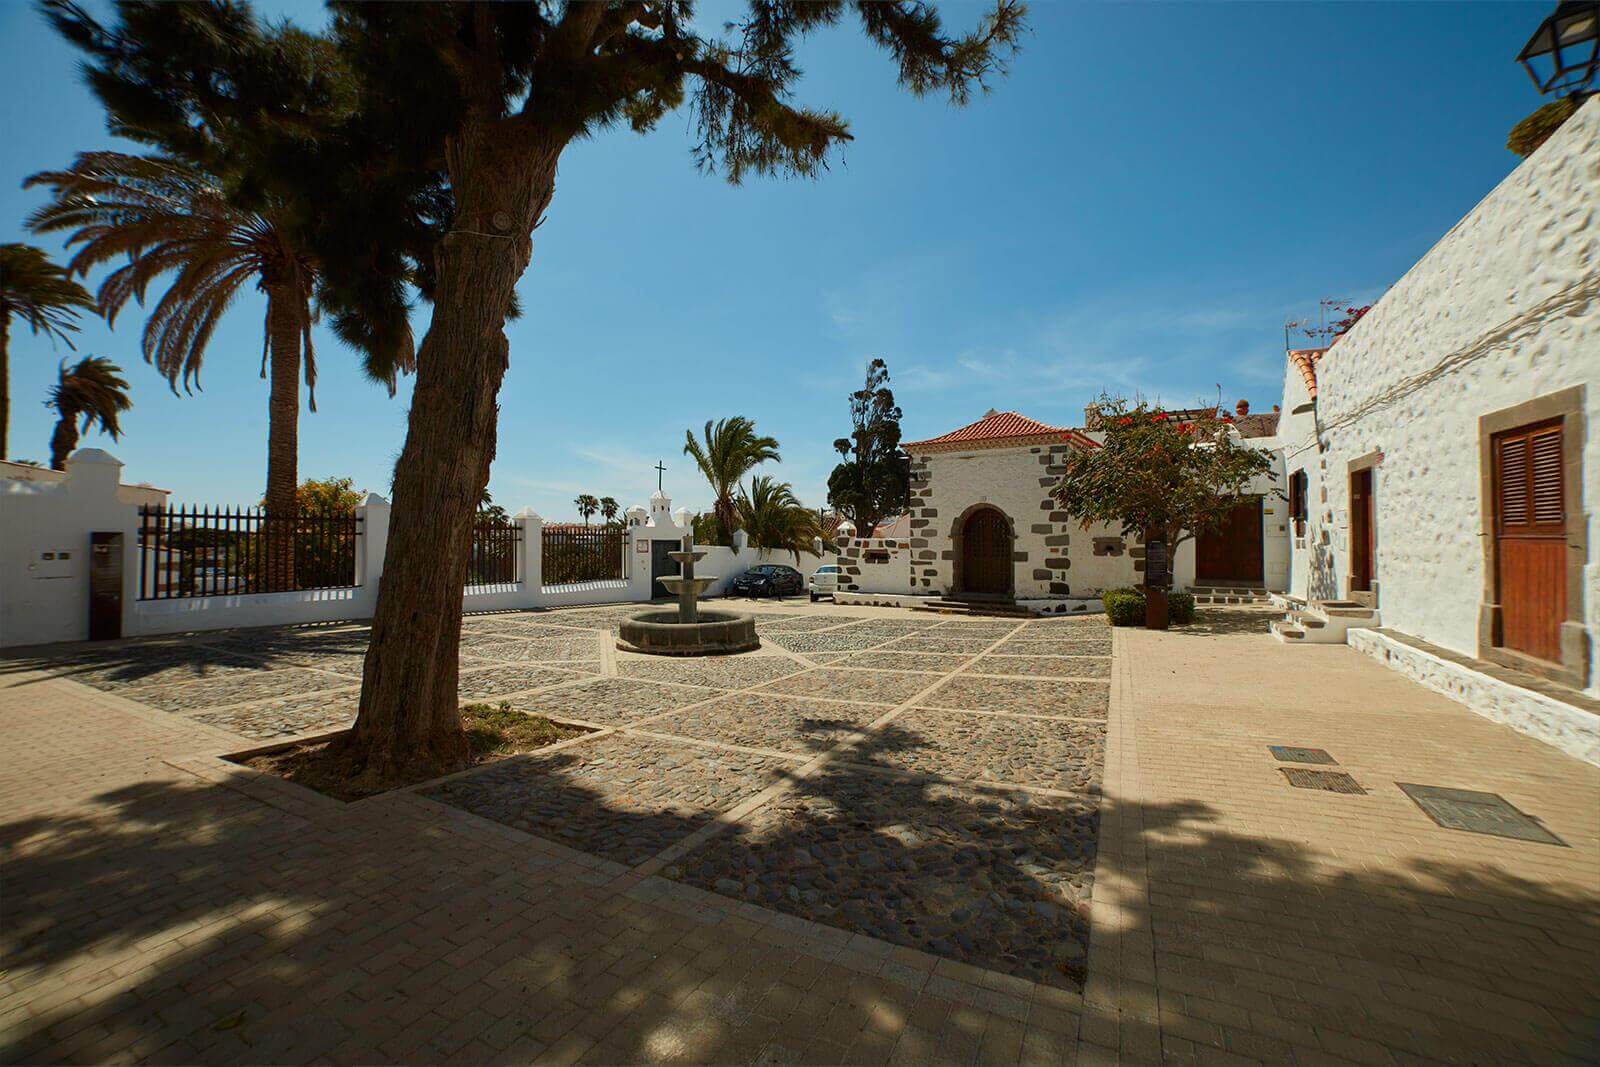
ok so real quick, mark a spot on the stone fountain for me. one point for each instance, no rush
(688, 631)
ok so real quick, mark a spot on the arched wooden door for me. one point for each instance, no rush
(986, 553)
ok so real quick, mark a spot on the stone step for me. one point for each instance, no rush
(1003, 608)
(1286, 631)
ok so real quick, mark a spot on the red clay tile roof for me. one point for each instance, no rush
(1306, 360)
(999, 427)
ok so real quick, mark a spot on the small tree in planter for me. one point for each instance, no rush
(1161, 476)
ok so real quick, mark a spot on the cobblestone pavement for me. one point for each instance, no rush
(1016, 848)
(996, 879)
(887, 660)
(1023, 696)
(611, 701)
(794, 725)
(1045, 666)
(624, 797)
(674, 752)
(1062, 755)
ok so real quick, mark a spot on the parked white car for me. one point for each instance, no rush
(824, 582)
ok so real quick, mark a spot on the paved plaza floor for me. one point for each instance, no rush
(884, 836)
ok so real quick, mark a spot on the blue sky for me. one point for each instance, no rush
(1137, 208)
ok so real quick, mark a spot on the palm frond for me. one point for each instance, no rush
(169, 221)
(40, 293)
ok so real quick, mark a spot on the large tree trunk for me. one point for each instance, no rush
(283, 435)
(409, 725)
(5, 380)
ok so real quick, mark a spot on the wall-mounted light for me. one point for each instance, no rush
(1564, 52)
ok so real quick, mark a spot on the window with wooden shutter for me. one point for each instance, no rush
(1513, 488)
(1529, 476)
(1298, 484)
(1545, 450)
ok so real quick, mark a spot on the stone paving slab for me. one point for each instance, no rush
(349, 664)
(846, 640)
(836, 684)
(1023, 696)
(495, 647)
(611, 701)
(887, 660)
(311, 713)
(722, 672)
(154, 666)
(1068, 644)
(940, 641)
(492, 683)
(888, 628)
(784, 724)
(242, 688)
(1043, 666)
(622, 796)
(1016, 750)
(798, 623)
(992, 629)
(997, 879)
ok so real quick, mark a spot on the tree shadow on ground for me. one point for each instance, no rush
(183, 658)
(385, 930)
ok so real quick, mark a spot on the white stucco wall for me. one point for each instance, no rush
(46, 600)
(44, 564)
(875, 564)
(1505, 308)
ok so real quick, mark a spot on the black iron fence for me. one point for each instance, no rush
(581, 554)
(202, 551)
(496, 553)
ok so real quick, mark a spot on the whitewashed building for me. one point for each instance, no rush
(983, 527)
(1443, 455)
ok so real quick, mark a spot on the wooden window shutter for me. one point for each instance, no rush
(1512, 488)
(1530, 480)
(1547, 478)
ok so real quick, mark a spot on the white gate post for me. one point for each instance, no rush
(532, 555)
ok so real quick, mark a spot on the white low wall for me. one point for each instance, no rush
(728, 563)
(1572, 730)
(45, 525)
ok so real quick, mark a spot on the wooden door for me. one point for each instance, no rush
(661, 563)
(986, 554)
(1530, 526)
(1362, 531)
(1233, 551)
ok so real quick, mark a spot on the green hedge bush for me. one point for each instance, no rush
(1125, 607)
(1180, 608)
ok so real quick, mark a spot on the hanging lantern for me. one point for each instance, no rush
(1564, 52)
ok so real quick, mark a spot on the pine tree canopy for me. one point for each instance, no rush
(360, 124)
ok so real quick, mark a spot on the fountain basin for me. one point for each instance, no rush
(660, 633)
(675, 584)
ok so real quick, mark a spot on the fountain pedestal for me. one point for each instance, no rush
(688, 631)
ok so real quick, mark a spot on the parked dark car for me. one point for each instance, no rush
(769, 579)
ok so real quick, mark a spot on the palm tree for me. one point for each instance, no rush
(730, 449)
(587, 505)
(169, 217)
(775, 519)
(45, 297)
(93, 390)
(609, 509)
